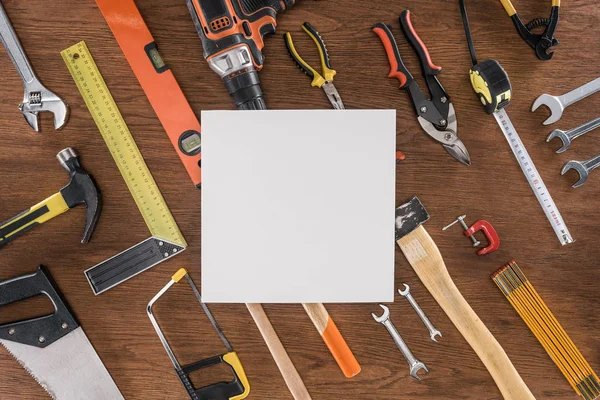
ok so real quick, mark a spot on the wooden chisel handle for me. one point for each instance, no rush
(282, 359)
(333, 338)
(425, 258)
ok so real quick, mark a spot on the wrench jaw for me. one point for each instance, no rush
(416, 367)
(405, 292)
(385, 316)
(554, 105)
(36, 101)
(435, 333)
(580, 168)
(566, 141)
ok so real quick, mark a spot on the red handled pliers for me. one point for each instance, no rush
(436, 115)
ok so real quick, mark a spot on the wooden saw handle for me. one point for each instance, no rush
(425, 258)
(282, 359)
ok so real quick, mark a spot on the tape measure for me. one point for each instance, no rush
(167, 240)
(490, 81)
(533, 177)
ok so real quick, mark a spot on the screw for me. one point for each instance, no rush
(444, 99)
(448, 136)
(442, 121)
(423, 109)
(41, 339)
(65, 325)
(11, 331)
(462, 222)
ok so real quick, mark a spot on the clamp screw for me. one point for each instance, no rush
(461, 219)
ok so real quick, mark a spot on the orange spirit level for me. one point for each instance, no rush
(157, 80)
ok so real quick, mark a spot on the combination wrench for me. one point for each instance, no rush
(37, 97)
(414, 364)
(557, 104)
(584, 168)
(568, 136)
(406, 294)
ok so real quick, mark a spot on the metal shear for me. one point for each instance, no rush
(436, 115)
(324, 81)
(542, 44)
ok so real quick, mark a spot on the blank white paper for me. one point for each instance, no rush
(298, 206)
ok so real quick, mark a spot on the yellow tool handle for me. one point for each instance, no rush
(509, 8)
(28, 219)
(425, 258)
(232, 359)
(317, 79)
(326, 70)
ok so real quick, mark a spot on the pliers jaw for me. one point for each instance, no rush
(448, 136)
(543, 44)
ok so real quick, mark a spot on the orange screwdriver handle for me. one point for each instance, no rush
(489, 232)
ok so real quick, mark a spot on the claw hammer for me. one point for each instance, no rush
(81, 189)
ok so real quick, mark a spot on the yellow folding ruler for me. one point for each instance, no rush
(166, 240)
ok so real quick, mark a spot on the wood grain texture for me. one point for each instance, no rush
(424, 256)
(492, 188)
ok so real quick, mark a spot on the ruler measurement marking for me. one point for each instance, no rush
(121, 144)
(534, 178)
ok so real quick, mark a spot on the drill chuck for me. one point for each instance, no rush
(244, 87)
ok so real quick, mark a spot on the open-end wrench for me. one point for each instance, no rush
(557, 104)
(414, 364)
(37, 98)
(568, 136)
(432, 331)
(583, 167)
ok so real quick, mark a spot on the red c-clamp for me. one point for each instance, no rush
(489, 232)
(480, 225)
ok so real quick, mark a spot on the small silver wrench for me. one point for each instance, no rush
(37, 97)
(583, 167)
(414, 364)
(568, 136)
(406, 294)
(557, 104)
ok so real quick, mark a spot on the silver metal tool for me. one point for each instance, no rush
(557, 104)
(53, 348)
(568, 136)
(461, 219)
(432, 331)
(584, 168)
(414, 364)
(37, 97)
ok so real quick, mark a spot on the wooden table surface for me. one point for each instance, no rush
(493, 188)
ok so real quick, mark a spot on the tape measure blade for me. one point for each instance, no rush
(121, 144)
(533, 177)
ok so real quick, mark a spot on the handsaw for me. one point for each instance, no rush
(53, 348)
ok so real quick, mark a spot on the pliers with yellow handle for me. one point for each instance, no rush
(324, 81)
(542, 44)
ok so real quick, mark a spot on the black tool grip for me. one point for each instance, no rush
(397, 68)
(41, 331)
(219, 390)
(17, 225)
(428, 67)
(312, 32)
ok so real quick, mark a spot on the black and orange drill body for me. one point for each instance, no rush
(232, 34)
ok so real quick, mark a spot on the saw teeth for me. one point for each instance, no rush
(29, 371)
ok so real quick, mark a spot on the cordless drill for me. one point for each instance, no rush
(232, 34)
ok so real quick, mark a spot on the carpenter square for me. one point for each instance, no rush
(166, 239)
(424, 256)
(53, 348)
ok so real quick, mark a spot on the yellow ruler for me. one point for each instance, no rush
(166, 239)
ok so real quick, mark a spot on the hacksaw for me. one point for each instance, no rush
(166, 240)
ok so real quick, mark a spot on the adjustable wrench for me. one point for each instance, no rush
(432, 331)
(557, 104)
(36, 98)
(568, 136)
(583, 167)
(414, 364)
